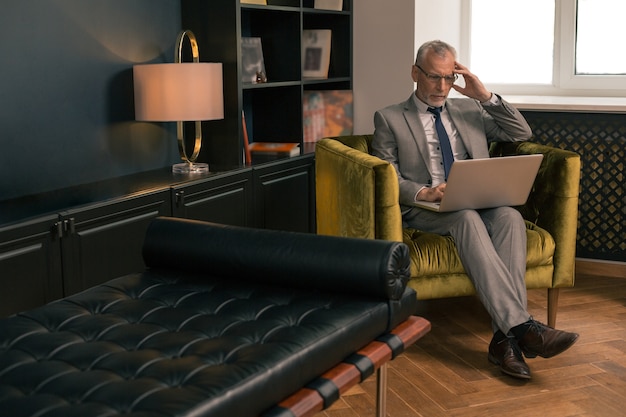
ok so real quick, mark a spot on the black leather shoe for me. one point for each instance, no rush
(544, 341)
(503, 351)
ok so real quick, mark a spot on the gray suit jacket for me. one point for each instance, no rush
(400, 139)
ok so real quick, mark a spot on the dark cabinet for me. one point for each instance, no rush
(30, 265)
(55, 255)
(104, 241)
(225, 199)
(284, 195)
(61, 254)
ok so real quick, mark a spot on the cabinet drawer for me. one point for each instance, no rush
(105, 241)
(30, 265)
(223, 199)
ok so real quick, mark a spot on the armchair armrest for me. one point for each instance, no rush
(553, 201)
(356, 193)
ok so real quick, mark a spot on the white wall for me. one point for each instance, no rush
(386, 37)
(440, 20)
(383, 48)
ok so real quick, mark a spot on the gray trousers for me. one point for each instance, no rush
(492, 247)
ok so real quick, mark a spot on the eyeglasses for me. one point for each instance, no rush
(449, 79)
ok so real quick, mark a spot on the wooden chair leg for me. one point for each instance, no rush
(553, 305)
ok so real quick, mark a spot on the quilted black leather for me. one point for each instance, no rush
(175, 342)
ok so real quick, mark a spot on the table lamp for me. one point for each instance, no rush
(181, 91)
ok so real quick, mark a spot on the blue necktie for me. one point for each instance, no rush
(444, 141)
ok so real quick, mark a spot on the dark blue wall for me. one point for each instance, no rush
(66, 95)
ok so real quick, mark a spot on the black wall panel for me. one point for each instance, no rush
(66, 92)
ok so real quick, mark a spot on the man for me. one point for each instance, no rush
(491, 242)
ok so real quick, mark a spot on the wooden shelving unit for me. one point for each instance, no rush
(273, 110)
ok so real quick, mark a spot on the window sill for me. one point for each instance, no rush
(568, 104)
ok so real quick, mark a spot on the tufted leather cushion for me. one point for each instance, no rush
(171, 341)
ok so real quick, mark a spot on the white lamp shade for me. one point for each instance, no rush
(189, 91)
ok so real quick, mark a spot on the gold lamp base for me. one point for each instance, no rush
(190, 168)
(181, 92)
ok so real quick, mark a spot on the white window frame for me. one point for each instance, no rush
(565, 81)
(566, 10)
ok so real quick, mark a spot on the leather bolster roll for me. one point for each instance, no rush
(356, 266)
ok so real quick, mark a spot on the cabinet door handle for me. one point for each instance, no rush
(58, 228)
(180, 198)
(64, 228)
(70, 226)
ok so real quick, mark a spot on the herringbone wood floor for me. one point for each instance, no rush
(447, 373)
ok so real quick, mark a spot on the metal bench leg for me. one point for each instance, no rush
(381, 391)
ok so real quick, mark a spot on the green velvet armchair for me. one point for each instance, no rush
(357, 196)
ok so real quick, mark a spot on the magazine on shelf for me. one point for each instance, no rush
(316, 52)
(327, 113)
(329, 5)
(252, 63)
(253, 2)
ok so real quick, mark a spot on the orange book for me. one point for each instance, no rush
(246, 141)
(275, 148)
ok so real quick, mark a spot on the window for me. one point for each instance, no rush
(569, 47)
(599, 30)
(522, 56)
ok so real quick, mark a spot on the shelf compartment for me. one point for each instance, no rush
(274, 114)
(280, 39)
(341, 40)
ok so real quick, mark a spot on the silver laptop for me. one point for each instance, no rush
(487, 183)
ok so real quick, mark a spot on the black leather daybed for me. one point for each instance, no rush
(225, 321)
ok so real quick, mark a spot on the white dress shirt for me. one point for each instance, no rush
(458, 148)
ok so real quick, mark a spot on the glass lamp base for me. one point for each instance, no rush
(190, 168)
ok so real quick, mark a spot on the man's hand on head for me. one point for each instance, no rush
(474, 88)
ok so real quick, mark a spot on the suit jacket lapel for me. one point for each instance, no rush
(468, 124)
(417, 130)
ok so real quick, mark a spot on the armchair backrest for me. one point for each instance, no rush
(356, 193)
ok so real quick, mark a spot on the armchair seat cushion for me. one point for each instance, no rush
(435, 260)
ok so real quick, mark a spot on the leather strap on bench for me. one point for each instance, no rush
(327, 388)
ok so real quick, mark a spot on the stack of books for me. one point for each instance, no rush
(269, 151)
